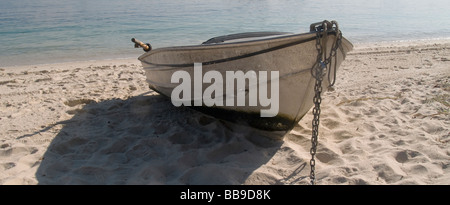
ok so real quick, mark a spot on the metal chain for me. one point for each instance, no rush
(317, 72)
(336, 45)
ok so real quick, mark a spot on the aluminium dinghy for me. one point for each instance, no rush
(263, 80)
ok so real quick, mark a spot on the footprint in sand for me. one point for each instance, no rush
(17, 151)
(6, 166)
(407, 155)
(327, 156)
(389, 173)
(181, 138)
(73, 103)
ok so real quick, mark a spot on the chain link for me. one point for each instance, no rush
(318, 71)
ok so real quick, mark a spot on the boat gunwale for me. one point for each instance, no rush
(228, 44)
(304, 38)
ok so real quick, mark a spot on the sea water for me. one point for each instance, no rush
(51, 31)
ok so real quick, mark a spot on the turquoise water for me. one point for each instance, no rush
(50, 31)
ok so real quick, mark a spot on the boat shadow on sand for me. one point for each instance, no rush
(146, 140)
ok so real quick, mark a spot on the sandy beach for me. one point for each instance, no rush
(387, 121)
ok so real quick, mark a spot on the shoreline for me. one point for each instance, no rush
(387, 121)
(359, 45)
(78, 63)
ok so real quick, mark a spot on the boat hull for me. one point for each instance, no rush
(292, 56)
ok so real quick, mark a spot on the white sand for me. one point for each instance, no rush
(386, 122)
